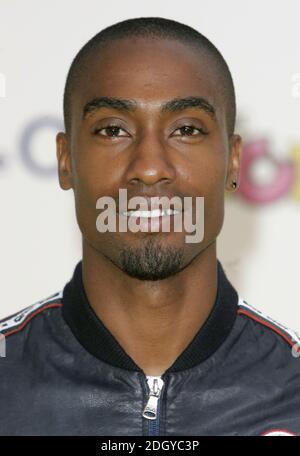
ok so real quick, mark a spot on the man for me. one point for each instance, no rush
(148, 337)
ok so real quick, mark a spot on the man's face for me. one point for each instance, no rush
(147, 151)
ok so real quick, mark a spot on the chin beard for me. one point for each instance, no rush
(151, 261)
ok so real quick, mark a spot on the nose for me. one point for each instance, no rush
(150, 161)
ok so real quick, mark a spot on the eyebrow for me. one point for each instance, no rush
(127, 105)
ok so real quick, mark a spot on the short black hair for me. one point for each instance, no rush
(157, 28)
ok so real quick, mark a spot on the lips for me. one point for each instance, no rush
(152, 221)
(154, 203)
(151, 214)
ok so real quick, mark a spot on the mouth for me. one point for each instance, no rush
(153, 221)
(151, 214)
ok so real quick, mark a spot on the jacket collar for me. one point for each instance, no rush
(98, 340)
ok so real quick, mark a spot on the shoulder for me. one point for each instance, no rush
(269, 325)
(16, 322)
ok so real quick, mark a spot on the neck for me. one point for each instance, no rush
(153, 321)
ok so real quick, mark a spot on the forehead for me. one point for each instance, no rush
(147, 70)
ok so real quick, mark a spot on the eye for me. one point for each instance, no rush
(111, 131)
(190, 130)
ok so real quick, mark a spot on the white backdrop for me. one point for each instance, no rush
(40, 242)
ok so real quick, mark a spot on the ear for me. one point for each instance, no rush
(63, 155)
(234, 162)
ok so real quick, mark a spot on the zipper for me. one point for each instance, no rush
(152, 409)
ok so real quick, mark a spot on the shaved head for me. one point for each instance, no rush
(152, 28)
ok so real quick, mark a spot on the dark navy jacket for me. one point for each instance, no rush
(63, 373)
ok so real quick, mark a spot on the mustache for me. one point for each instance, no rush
(154, 201)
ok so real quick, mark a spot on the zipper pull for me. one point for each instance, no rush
(155, 385)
